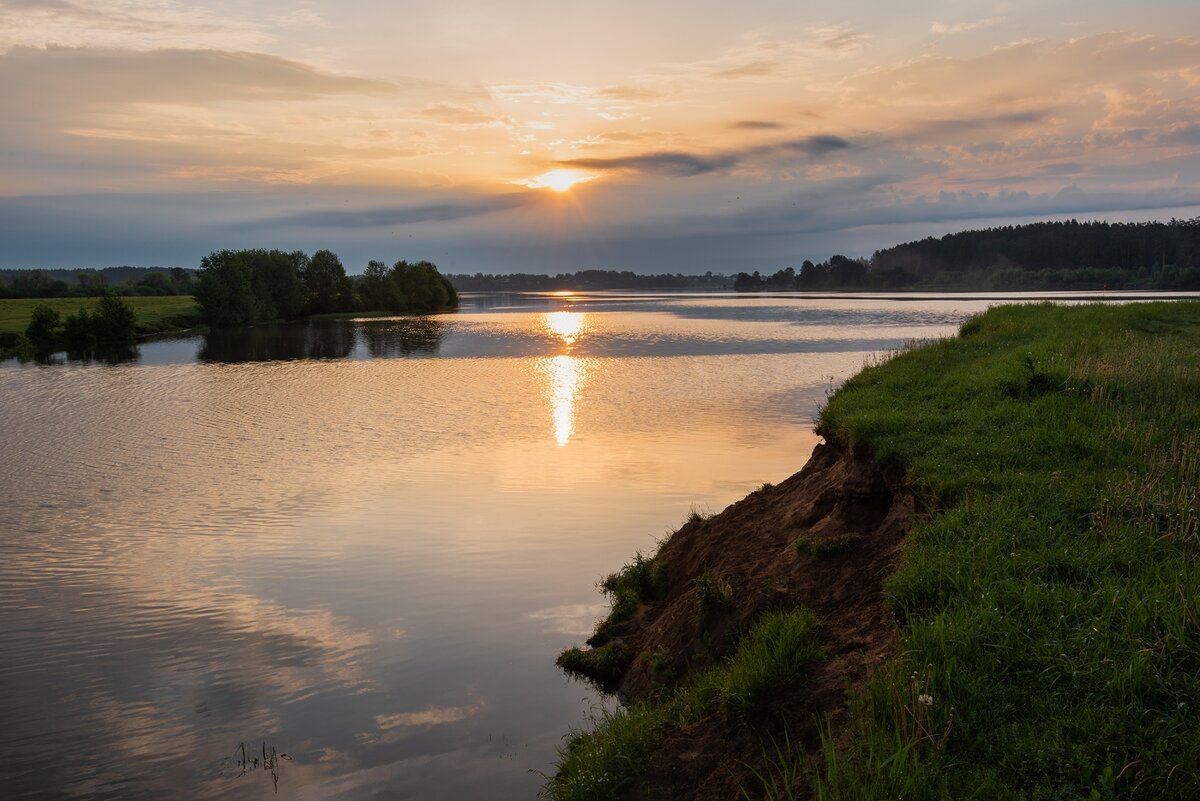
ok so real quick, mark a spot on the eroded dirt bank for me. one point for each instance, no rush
(849, 514)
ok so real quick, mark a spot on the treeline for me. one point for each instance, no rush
(243, 287)
(1045, 255)
(585, 280)
(124, 281)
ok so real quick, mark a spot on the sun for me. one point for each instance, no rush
(558, 180)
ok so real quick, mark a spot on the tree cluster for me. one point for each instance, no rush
(243, 287)
(110, 327)
(1045, 255)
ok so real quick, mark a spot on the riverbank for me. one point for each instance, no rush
(996, 556)
(155, 315)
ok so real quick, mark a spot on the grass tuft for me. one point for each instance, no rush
(832, 546)
(608, 759)
(643, 580)
(605, 665)
(713, 594)
(779, 651)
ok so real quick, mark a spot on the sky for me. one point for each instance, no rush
(546, 137)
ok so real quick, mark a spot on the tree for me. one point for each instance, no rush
(278, 288)
(224, 289)
(326, 284)
(43, 327)
(376, 292)
(114, 322)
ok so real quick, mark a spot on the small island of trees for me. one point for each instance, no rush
(231, 288)
(243, 287)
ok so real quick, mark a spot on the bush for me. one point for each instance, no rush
(114, 322)
(42, 328)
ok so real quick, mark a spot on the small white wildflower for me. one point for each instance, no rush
(926, 699)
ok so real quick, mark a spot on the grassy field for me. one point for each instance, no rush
(1050, 603)
(1049, 596)
(154, 314)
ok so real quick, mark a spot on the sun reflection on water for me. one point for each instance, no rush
(566, 373)
(566, 325)
(566, 379)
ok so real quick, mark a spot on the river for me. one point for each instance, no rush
(362, 543)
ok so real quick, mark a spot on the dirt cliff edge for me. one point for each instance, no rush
(824, 539)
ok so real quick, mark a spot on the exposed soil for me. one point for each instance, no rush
(861, 510)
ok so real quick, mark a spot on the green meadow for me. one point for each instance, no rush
(154, 314)
(1049, 601)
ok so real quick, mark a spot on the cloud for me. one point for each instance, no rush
(963, 27)
(451, 114)
(630, 93)
(753, 69)
(670, 163)
(681, 164)
(756, 125)
(839, 38)
(101, 75)
(123, 23)
(1187, 134)
(817, 145)
(387, 216)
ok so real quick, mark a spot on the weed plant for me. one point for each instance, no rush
(604, 665)
(641, 581)
(831, 546)
(713, 594)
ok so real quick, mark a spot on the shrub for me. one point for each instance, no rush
(43, 327)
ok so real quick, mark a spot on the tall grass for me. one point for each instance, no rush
(1051, 601)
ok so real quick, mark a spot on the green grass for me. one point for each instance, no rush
(605, 665)
(154, 314)
(641, 581)
(1050, 601)
(610, 757)
(713, 593)
(599, 764)
(778, 652)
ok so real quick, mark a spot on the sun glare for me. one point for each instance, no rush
(567, 326)
(558, 180)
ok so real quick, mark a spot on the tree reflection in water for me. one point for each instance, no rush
(402, 337)
(322, 339)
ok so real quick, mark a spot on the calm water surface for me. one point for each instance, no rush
(362, 543)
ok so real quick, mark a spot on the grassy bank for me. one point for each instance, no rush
(1050, 604)
(1048, 600)
(154, 314)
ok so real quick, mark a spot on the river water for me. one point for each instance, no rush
(362, 543)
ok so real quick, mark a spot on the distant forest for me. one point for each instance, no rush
(586, 280)
(1045, 255)
(127, 281)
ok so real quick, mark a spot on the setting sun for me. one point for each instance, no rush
(558, 180)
